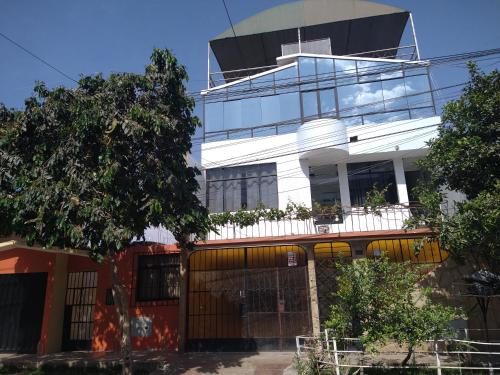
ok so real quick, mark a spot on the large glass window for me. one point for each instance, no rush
(416, 85)
(158, 277)
(310, 104)
(229, 189)
(358, 91)
(289, 106)
(360, 98)
(325, 188)
(251, 112)
(394, 92)
(270, 109)
(364, 177)
(327, 103)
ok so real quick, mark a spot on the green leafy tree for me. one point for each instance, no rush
(92, 167)
(379, 300)
(466, 157)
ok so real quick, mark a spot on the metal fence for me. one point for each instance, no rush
(341, 355)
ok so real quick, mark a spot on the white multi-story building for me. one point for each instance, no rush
(316, 104)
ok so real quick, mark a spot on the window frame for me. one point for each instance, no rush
(221, 178)
(161, 293)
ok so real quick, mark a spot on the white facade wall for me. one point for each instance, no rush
(318, 143)
(294, 153)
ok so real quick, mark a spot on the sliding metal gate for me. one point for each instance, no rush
(79, 311)
(247, 298)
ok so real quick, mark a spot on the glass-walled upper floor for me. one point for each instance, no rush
(359, 91)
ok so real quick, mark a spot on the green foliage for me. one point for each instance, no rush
(92, 167)
(293, 211)
(379, 300)
(466, 157)
(310, 365)
(466, 154)
(375, 200)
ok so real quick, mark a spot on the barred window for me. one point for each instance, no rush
(158, 277)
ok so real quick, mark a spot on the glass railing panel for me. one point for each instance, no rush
(288, 128)
(214, 117)
(265, 131)
(263, 85)
(270, 109)
(345, 71)
(385, 117)
(286, 80)
(326, 72)
(307, 72)
(232, 115)
(251, 112)
(369, 70)
(422, 112)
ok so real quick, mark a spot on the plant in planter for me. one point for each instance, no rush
(375, 200)
(327, 214)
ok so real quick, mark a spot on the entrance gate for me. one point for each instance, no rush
(247, 298)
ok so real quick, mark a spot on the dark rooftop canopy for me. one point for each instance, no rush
(353, 26)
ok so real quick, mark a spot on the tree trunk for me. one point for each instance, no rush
(121, 304)
(407, 358)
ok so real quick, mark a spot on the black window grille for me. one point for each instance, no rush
(158, 277)
(229, 189)
(363, 177)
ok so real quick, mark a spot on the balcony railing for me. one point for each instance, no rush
(351, 220)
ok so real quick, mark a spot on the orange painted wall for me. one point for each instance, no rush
(27, 261)
(165, 319)
(105, 333)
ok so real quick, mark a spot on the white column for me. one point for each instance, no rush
(345, 198)
(293, 181)
(400, 180)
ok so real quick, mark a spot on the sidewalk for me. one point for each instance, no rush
(158, 363)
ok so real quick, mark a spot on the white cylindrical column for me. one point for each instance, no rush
(399, 173)
(345, 197)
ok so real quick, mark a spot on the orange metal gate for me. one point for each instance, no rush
(247, 298)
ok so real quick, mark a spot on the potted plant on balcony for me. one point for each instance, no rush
(375, 200)
(327, 214)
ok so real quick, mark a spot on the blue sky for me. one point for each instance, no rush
(85, 37)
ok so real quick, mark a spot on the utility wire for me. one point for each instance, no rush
(37, 57)
(433, 61)
(235, 36)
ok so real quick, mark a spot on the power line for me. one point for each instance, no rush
(433, 61)
(343, 110)
(37, 57)
(235, 36)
